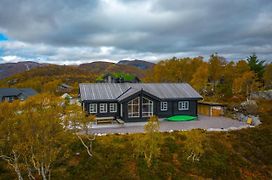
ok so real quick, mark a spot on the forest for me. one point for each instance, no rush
(46, 138)
(216, 78)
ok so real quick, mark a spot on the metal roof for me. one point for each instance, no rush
(128, 93)
(28, 91)
(120, 91)
(16, 92)
(9, 92)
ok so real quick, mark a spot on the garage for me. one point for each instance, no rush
(211, 108)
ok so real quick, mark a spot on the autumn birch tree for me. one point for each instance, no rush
(35, 137)
(149, 145)
(80, 124)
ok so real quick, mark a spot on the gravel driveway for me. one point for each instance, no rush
(203, 122)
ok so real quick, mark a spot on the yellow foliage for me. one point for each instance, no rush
(268, 76)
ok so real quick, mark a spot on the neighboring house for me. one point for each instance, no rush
(65, 88)
(118, 78)
(133, 102)
(11, 94)
(67, 96)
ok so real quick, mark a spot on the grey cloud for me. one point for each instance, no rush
(154, 28)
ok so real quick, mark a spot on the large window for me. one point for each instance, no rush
(93, 108)
(134, 108)
(147, 107)
(164, 106)
(183, 105)
(113, 107)
(103, 108)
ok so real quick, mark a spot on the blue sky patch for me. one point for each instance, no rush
(3, 37)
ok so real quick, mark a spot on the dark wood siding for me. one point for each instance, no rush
(171, 110)
(98, 114)
(191, 111)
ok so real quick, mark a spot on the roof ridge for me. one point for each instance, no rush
(124, 92)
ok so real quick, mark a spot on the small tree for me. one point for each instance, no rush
(149, 145)
(268, 76)
(215, 69)
(81, 125)
(194, 145)
(256, 65)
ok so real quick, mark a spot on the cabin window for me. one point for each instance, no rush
(147, 107)
(134, 108)
(103, 108)
(164, 106)
(183, 105)
(113, 107)
(9, 99)
(93, 108)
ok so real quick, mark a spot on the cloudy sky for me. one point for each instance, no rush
(77, 31)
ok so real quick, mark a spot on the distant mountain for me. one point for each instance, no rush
(141, 64)
(9, 69)
(96, 67)
(107, 67)
(135, 67)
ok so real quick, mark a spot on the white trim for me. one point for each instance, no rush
(121, 110)
(131, 105)
(103, 108)
(93, 108)
(164, 106)
(113, 107)
(149, 105)
(183, 105)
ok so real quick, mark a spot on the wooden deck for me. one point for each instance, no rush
(105, 120)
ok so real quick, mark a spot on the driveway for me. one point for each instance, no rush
(203, 122)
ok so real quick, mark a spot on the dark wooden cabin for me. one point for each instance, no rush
(11, 94)
(134, 102)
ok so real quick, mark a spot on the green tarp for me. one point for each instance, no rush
(181, 118)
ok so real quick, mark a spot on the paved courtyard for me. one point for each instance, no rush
(203, 122)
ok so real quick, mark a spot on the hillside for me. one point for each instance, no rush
(141, 64)
(243, 154)
(9, 69)
(106, 67)
(46, 78)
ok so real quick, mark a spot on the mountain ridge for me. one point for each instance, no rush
(135, 67)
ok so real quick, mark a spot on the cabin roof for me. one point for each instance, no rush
(212, 103)
(120, 91)
(16, 92)
(65, 85)
(9, 92)
(28, 91)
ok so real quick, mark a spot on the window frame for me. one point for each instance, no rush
(131, 105)
(150, 108)
(105, 107)
(164, 106)
(95, 109)
(183, 105)
(113, 107)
